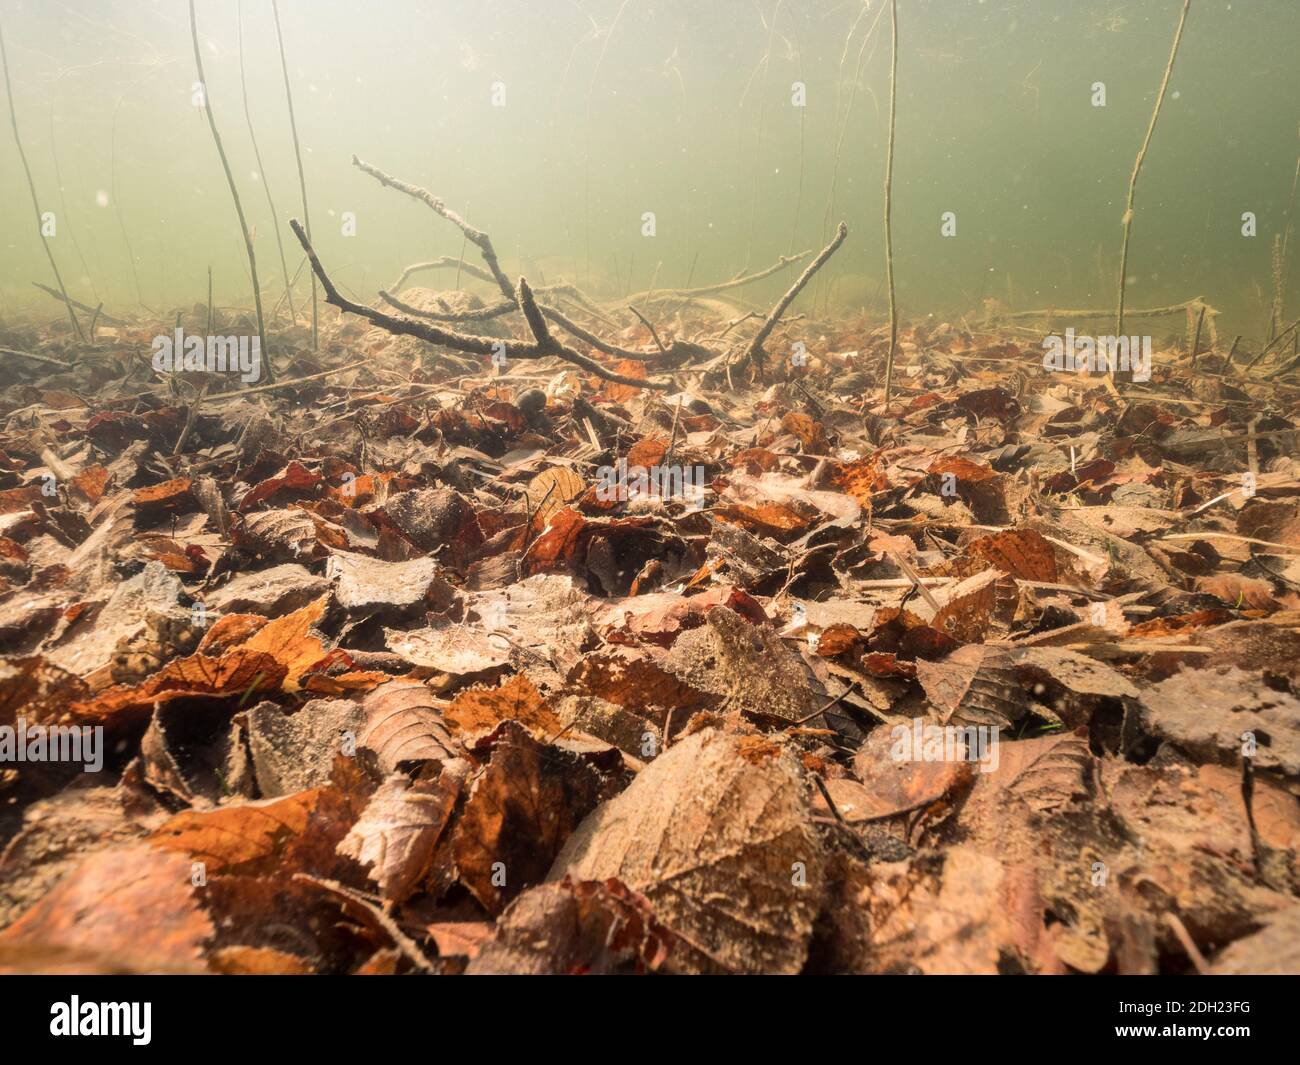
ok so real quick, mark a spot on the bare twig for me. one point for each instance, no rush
(78, 304)
(442, 262)
(33, 356)
(473, 314)
(754, 352)
(226, 397)
(736, 282)
(654, 333)
(483, 242)
(1147, 312)
(191, 417)
(1273, 343)
(475, 236)
(475, 345)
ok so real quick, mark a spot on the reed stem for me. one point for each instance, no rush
(36, 203)
(297, 152)
(889, 183)
(1137, 167)
(234, 195)
(261, 169)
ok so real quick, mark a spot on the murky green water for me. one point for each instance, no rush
(559, 126)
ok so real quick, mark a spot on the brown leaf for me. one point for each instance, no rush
(515, 700)
(1022, 553)
(660, 618)
(287, 536)
(1044, 773)
(294, 481)
(893, 785)
(975, 685)
(811, 434)
(238, 672)
(128, 909)
(290, 640)
(399, 828)
(169, 497)
(403, 724)
(370, 585)
(550, 491)
(583, 927)
(450, 647)
(721, 846)
(460, 939)
(521, 809)
(238, 838)
(1207, 713)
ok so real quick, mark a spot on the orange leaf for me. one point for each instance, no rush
(236, 837)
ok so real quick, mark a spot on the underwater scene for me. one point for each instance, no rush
(649, 486)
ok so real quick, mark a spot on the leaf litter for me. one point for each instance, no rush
(998, 677)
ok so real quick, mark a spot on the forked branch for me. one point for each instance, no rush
(544, 347)
(754, 352)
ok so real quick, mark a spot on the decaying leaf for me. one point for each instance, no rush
(570, 928)
(126, 909)
(237, 837)
(521, 809)
(974, 685)
(721, 846)
(404, 725)
(400, 826)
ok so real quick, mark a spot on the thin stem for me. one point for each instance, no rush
(297, 152)
(1137, 167)
(261, 169)
(803, 113)
(889, 183)
(234, 195)
(36, 205)
(586, 165)
(758, 134)
(63, 206)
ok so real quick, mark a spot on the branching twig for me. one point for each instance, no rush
(78, 304)
(261, 169)
(36, 358)
(443, 261)
(755, 350)
(475, 236)
(475, 345)
(1272, 343)
(654, 333)
(705, 290)
(1147, 312)
(483, 242)
(472, 314)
